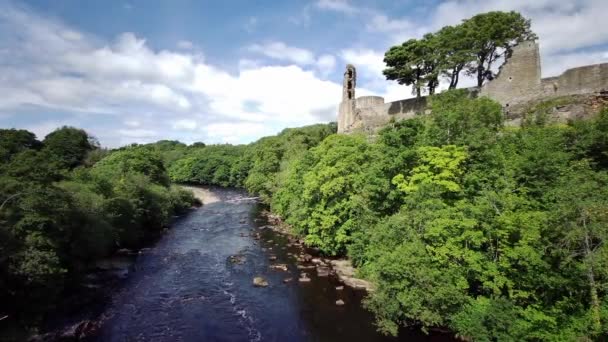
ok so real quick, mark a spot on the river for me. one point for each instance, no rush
(185, 287)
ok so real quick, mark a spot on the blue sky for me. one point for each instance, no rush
(232, 71)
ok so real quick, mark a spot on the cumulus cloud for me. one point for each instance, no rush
(49, 65)
(326, 64)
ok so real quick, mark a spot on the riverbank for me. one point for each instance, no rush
(341, 267)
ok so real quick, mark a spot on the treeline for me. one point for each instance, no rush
(64, 203)
(496, 233)
(472, 48)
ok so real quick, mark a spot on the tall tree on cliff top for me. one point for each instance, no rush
(414, 63)
(453, 47)
(493, 35)
(473, 46)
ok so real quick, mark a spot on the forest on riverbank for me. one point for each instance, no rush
(66, 203)
(494, 232)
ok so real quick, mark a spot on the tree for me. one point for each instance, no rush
(414, 63)
(493, 35)
(580, 215)
(133, 160)
(453, 48)
(13, 141)
(473, 46)
(67, 147)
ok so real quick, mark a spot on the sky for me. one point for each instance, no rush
(232, 71)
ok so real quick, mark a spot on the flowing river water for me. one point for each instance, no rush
(186, 288)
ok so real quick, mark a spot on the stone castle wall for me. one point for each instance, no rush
(518, 83)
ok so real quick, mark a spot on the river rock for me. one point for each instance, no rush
(260, 282)
(304, 267)
(323, 271)
(272, 258)
(237, 259)
(281, 267)
(339, 288)
(339, 302)
(316, 261)
(287, 280)
(346, 273)
(124, 251)
(304, 280)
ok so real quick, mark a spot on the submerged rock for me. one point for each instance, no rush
(281, 267)
(237, 259)
(339, 302)
(260, 282)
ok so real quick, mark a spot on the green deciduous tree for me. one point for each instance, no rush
(474, 46)
(493, 35)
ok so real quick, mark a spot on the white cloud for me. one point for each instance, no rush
(138, 133)
(185, 44)
(185, 124)
(151, 89)
(326, 64)
(281, 51)
(343, 6)
(581, 21)
(231, 132)
(369, 63)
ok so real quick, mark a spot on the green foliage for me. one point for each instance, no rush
(132, 160)
(61, 208)
(13, 141)
(438, 167)
(414, 63)
(473, 46)
(211, 165)
(330, 192)
(493, 35)
(67, 147)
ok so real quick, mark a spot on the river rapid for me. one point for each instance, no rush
(187, 288)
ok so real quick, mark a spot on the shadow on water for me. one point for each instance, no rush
(186, 288)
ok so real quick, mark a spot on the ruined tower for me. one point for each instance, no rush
(349, 84)
(346, 114)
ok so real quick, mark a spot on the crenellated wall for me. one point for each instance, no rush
(518, 83)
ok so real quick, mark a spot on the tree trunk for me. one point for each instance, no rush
(479, 75)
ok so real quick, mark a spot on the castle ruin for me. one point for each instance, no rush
(517, 84)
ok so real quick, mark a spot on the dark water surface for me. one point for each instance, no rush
(186, 289)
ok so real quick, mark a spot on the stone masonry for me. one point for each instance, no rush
(517, 84)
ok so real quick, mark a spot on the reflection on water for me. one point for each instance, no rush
(187, 288)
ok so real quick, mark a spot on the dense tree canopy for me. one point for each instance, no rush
(57, 214)
(496, 233)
